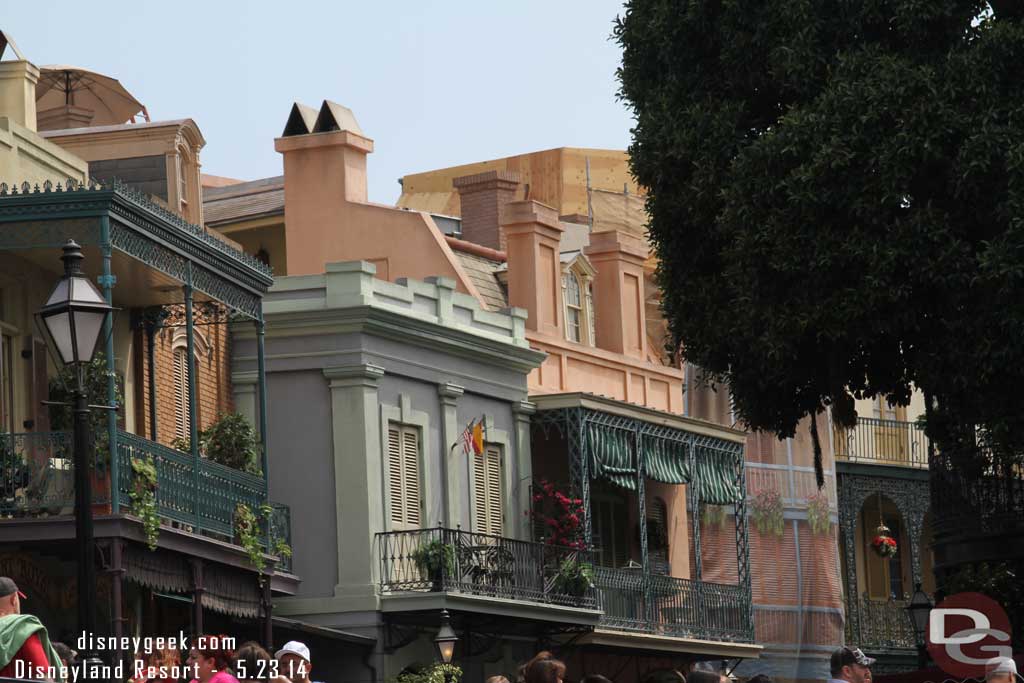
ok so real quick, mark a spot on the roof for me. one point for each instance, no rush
(481, 272)
(113, 128)
(264, 197)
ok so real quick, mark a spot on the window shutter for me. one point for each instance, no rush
(404, 476)
(590, 316)
(487, 510)
(411, 475)
(180, 370)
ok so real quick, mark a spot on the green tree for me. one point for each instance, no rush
(835, 192)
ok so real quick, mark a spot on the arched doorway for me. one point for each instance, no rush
(882, 578)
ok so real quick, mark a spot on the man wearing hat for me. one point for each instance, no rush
(850, 665)
(293, 662)
(1000, 670)
(24, 643)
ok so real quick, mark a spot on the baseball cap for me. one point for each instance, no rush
(1000, 665)
(7, 586)
(847, 656)
(294, 647)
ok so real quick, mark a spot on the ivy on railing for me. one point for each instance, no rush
(249, 534)
(143, 496)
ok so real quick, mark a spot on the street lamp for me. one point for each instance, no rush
(918, 609)
(72, 320)
(445, 641)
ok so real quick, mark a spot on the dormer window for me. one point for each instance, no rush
(577, 274)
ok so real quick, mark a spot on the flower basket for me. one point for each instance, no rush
(884, 544)
(767, 512)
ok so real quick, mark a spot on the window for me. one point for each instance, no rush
(573, 307)
(896, 589)
(403, 476)
(183, 181)
(182, 428)
(657, 536)
(263, 256)
(487, 509)
(610, 528)
(590, 315)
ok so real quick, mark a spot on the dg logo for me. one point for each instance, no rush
(965, 631)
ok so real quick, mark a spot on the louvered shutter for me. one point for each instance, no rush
(404, 476)
(487, 511)
(180, 370)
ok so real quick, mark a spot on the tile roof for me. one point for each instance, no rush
(481, 272)
(243, 200)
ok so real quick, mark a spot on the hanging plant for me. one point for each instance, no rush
(713, 515)
(817, 513)
(143, 497)
(249, 535)
(766, 512)
(883, 543)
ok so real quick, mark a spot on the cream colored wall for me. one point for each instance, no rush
(24, 156)
(678, 524)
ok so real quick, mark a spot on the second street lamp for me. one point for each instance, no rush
(72, 321)
(445, 641)
(918, 610)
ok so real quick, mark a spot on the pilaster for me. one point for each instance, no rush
(449, 395)
(520, 494)
(243, 389)
(358, 475)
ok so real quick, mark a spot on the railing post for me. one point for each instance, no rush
(107, 281)
(641, 492)
(261, 379)
(193, 428)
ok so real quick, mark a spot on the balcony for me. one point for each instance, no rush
(37, 480)
(882, 442)
(494, 566)
(879, 624)
(456, 561)
(671, 606)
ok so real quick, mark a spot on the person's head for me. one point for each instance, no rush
(66, 654)
(293, 661)
(212, 655)
(702, 676)
(10, 597)
(497, 679)
(1000, 670)
(160, 657)
(545, 671)
(760, 678)
(850, 664)
(253, 661)
(595, 678)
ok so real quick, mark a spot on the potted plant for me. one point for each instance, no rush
(435, 560)
(14, 473)
(573, 578)
(883, 543)
(766, 512)
(817, 513)
(232, 441)
(713, 515)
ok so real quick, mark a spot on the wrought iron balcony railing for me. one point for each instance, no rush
(883, 442)
(37, 479)
(879, 624)
(672, 606)
(451, 560)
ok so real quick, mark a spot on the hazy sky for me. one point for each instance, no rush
(432, 83)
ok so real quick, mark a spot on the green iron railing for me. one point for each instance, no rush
(37, 479)
(281, 529)
(672, 606)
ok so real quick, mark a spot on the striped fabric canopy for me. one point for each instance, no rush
(609, 450)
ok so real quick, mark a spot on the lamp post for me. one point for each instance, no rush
(445, 641)
(72, 320)
(918, 609)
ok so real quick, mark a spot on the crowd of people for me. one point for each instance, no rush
(25, 647)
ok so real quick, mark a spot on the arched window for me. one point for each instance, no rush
(573, 307)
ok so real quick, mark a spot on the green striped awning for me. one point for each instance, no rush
(665, 455)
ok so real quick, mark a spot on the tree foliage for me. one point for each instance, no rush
(835, 193)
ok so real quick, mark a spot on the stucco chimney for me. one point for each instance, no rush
(620, 321)
(483, 197)
(18, 92)
(533, 235)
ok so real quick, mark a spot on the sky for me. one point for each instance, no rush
(433, 83)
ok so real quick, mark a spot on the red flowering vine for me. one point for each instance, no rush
(560, 515)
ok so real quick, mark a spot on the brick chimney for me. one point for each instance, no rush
(324, 170)
(533, 236)
(619, 316)
(483, 197)
(18, 92)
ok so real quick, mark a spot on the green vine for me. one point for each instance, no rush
(143, 496)
(817, 513)
(766, 512)
(250, 535)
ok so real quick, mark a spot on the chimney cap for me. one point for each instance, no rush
(301, 120)
(5, 42)
(495, 177)
(334, 116)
